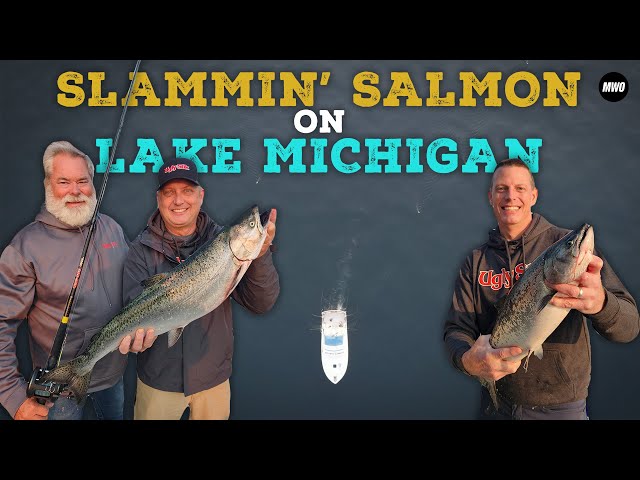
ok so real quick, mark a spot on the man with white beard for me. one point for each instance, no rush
(36, 270)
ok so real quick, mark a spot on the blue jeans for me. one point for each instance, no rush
(108, 404)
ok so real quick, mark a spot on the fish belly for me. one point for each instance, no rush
(532, 338)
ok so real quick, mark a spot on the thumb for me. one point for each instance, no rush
(509, 352)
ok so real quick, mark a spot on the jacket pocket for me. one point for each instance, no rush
(559, 367)
(89, 333)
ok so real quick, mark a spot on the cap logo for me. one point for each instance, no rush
(173, 168)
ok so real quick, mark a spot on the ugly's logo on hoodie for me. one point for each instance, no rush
(502, 279)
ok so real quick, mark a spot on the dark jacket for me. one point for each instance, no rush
(564, 373)
(36, 273)
(201, 359)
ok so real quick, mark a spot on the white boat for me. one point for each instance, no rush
(334, 344)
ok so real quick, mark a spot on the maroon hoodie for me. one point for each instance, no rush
(564, 373)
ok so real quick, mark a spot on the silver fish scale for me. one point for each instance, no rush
(525, 318)
(518, 313)
(201, 283)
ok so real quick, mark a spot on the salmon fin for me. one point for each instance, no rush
(538, 352)
(526, 362)
(236, 280)
(493, 391)
(174, 336)
(154, 279)
(545, 300)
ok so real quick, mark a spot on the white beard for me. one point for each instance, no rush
(72, 216)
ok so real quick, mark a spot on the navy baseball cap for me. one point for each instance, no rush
(177, 168)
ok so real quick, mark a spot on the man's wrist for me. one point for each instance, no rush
(463, 367)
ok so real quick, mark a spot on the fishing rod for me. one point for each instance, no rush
(49, 390)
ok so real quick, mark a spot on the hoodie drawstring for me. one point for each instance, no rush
(92, 268)
(175, 244)
(84, 278)
(512, 272)
(178, 257)
(101, 272)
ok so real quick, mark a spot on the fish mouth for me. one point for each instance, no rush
(264, 218)
(584, 238)
(583, 247)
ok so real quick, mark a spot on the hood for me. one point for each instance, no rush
(157, 236)
(93, 260)
(537, 226)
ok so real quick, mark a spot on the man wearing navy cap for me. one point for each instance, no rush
(195, 371)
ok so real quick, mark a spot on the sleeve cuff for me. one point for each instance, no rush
(608, 312)
(457, 359)
(264, 260)
(16, 399)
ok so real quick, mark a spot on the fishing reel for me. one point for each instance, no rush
(43, 390)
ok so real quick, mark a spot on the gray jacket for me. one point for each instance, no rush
(201, 359)
(36, 273)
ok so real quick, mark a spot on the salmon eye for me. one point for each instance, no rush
(252, 224)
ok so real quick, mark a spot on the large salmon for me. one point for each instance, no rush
(172, 300)
(525, 318)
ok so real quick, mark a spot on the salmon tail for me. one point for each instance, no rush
(67, 374)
